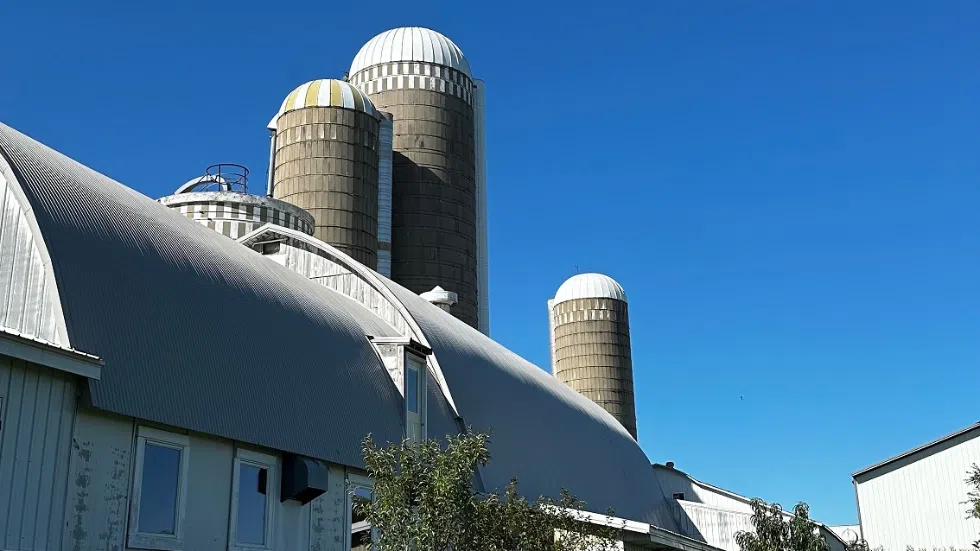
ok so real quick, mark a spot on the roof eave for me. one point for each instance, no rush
(914, 451)
(22, 347)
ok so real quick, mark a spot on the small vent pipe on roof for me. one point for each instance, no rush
(442, 298)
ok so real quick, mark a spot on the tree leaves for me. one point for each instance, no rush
(973, 497)
(773, 532)
(425, 500)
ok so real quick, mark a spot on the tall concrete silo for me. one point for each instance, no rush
(439, 178)
(324, 158)
(590, 343)
(220, 200)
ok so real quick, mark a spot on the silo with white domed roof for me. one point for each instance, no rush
(438, 214)
(590, 343)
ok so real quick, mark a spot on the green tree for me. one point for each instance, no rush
(859, 545)
(973, 497)
(773, 532)
(424, 500)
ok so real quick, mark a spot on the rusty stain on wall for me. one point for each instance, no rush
(99, 469)
(82, 481)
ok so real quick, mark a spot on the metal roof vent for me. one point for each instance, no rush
(440, 297)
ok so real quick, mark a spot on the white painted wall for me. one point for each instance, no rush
(920, 502)
(101, 483)
(37, 408)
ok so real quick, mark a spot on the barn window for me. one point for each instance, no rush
(255, 491)
(159, 490)
(414, 393)
(359, 490)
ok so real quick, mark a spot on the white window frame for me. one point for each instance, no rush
(264, 461)
(354, 481)
(420, 366)
(140, 540)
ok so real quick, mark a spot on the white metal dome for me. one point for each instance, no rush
(590, 286)
(410, 44)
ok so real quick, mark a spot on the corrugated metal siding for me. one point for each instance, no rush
(37, 412)
(714, 515)
(919, 502)
(544, 433)
(199, 332)
(674, 481)
(440, 419)
(29, 302)
(310, 263)
(716, 526)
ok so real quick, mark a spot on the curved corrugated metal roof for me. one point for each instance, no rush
(410, 44)
(162, 300)
(590, 286)
(197, 331)
(547, 435)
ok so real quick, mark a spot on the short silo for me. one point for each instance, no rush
(324, 159)
(590, 343)
(219, 199)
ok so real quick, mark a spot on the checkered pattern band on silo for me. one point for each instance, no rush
(413, 74)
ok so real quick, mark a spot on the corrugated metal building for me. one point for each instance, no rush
(917, 498)
(232, 389)
(715, 515)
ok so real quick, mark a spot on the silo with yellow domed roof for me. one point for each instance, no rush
(325, 157)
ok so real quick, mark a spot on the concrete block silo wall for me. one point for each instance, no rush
(434, 211)
(327, 164)
(592, 354)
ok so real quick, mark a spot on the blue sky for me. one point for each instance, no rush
(788, 191)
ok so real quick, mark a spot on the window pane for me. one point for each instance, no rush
(158, 494)
(412, 390)
(360, 537)
(252, 493)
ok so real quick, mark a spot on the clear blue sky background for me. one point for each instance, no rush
(788, 191)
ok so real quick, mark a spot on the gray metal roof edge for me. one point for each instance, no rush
(677, 541)
(729, 493)
(655, 534)
(48, 354)
(913, 451)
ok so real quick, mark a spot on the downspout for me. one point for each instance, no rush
(272, 159)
